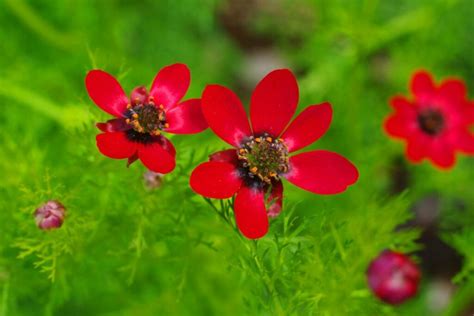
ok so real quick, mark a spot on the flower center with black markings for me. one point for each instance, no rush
(431, 122)
(263, 158)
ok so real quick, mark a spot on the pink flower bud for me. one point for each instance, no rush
(50, 215)
(393, 277)
(153, 180)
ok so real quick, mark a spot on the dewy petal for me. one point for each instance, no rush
(170, 85)
(275, 199)
(422, 85)
(186, 118)
(156, 158)
(274, 102)
(106, 92)
(218, 180)
(403, 122)
(322, 172)
(114, 125)
(250, 213)
(115, 145)
(308, 126)
(225, 114)
(228, 155)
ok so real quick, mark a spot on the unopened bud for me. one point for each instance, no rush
(393, 277)
(50, 215)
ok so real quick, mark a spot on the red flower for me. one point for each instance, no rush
(136, 131)
(393, 277)
(435, 124)
(261, 155)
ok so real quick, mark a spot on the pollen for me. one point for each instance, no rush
(263, 161)
(147, 119)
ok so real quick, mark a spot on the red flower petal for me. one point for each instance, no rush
(275, 199)
(139, 95)
(442, 154)
(308, 127)
(228, 155)
(417, 147)
(106, 92)
(453, 90)
(322, 172)
(167, 145)
(132, 159)
(170, 85)
(115, 125)
(274, 102)
(465, 142)
(115, 145)
(218, 180)
(422, 86)
(225, 114)
(186, 118)
(250, 213)
(403, 122)
(156, 158)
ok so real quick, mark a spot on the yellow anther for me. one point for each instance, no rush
(127, 121)
(151, 98)
(272, 174)
(161, 106)
(135, 115)
(253, 170)
(269, 139)
(137, 99)
(258, 139)
(166, 125)
(129, 106)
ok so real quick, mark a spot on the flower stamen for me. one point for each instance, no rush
(431, 121)
(263, 158)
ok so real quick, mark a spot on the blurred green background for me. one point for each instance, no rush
(128, 250)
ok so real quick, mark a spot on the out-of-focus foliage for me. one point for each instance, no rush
(127, 250)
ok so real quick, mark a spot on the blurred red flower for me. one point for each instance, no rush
(136, 132)
(253, 169)
(436, 123)
(393, 277)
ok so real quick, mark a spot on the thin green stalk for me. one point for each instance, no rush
(5, 293)
(340, 248)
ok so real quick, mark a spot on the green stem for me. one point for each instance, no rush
(338, 243)
(6, 290)
(266, 278)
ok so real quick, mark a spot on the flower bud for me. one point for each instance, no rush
(153, 180)
(50, 215)
(393, 277)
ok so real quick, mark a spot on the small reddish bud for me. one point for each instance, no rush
(50, 215)
(153, 180)
(139, 95)
(393, 277)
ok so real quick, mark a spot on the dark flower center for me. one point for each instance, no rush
(431, 121)
(263, 158)
(146, 118)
